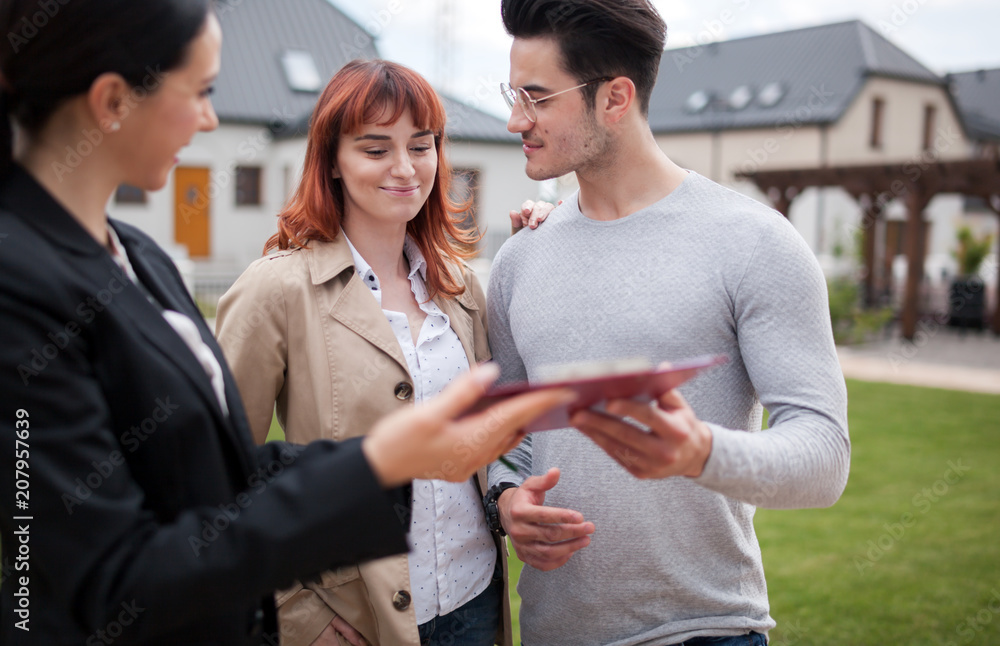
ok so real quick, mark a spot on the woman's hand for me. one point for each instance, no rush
(531, 214)
(431, 440)
(329, 636)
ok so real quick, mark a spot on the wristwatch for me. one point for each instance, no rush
(492, 509)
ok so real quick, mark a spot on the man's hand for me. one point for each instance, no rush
(543, 537)
(531, 214)
(345, 630)
(678, 443)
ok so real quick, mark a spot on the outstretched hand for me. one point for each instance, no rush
(433, 440)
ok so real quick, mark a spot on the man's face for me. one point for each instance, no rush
(566, 136)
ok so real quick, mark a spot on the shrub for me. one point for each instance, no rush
(851, 322)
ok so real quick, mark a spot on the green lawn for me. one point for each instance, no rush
(911, 553)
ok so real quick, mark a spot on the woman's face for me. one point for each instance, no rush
(387, 171)
(157, 126)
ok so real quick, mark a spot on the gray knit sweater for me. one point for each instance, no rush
(703, 271)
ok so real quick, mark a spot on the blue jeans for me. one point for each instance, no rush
(473, 624)
(753, 639)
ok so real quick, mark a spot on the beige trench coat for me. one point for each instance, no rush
(302, 332)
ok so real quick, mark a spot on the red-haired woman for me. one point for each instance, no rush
(365, 308)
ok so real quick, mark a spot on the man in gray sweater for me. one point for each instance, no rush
(636, 537)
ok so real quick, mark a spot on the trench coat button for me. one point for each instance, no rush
(401, 600)
(403, 391)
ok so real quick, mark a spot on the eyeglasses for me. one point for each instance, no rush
(521, 97)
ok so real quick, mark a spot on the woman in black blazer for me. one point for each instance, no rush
(134, 507)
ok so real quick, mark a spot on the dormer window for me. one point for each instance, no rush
(698, 101)
(301, 71)
(740, 97)
(771, 94)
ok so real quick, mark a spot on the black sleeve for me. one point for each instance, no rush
(98, 544)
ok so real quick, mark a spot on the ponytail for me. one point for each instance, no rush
(57, 53)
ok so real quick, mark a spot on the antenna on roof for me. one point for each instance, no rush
(444, 63)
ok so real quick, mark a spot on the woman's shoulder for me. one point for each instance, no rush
(278, 266)
(472, 296)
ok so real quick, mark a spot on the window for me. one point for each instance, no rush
(930, 117)
(301, 71)
(128, 194)
(698, 101)
(771, 94)
(740, 97)
(248, 185)
(878, 113)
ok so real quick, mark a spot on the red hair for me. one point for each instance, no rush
(358, 94)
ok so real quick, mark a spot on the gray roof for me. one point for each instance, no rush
(820, 70)
(465, 123)
(977, 95)
(252, 87)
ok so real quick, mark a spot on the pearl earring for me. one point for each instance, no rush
(116, 126)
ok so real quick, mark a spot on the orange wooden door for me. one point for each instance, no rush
(192, 208)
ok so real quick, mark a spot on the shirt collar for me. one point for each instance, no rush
(120, 256)
(364, 270)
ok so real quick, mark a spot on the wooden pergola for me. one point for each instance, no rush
(874, 187)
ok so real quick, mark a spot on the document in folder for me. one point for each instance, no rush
(616, 380)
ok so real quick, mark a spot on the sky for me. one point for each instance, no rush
(944, 35)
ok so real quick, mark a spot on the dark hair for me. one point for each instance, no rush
(597, 38)
(55, 49)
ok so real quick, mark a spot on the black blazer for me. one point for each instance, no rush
(132, 509)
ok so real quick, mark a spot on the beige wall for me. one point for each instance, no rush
(502, 185)
(826, 218)
(238, 233)
(903, 125)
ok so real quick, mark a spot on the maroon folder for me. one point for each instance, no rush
(642, 385)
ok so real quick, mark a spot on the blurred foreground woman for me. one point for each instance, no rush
(134, 507)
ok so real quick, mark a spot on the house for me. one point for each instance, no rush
(827, 96)
(220, 204)
(977, 94)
